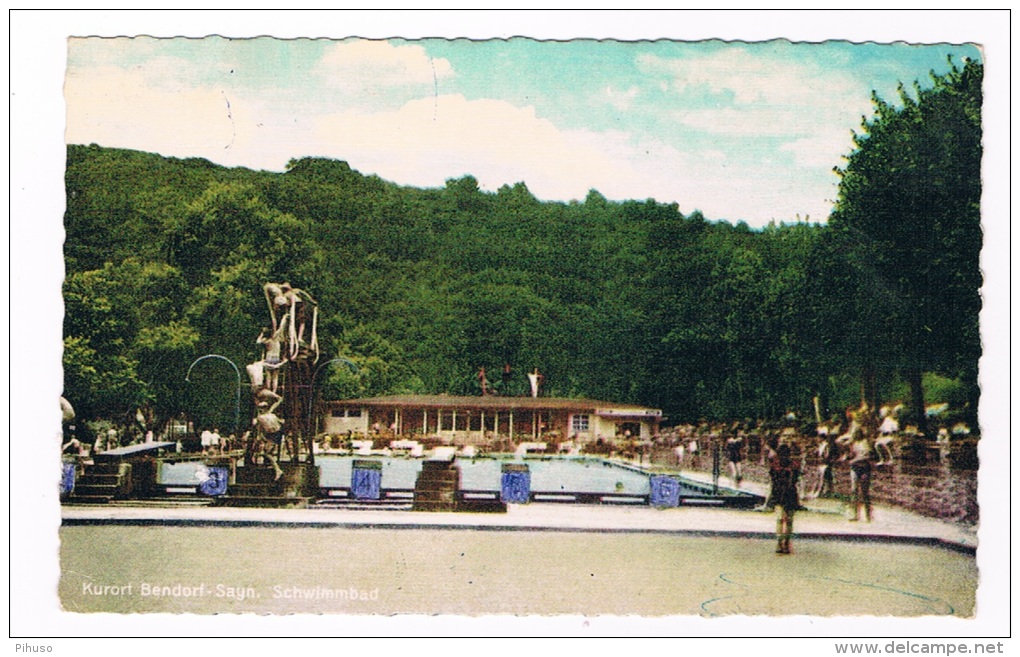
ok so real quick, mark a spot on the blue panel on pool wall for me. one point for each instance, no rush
(515, 487)
(67, 478)
(215, 482)
(665, 491)
(366, 483)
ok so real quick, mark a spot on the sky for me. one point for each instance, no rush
(741, 131)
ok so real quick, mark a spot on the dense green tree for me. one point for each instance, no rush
(908, 213)
(230, 225)
(124, 334)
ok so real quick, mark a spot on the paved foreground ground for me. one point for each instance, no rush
(536, 559)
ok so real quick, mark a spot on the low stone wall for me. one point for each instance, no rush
(935, 491)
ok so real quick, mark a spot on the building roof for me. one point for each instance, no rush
(493, 402)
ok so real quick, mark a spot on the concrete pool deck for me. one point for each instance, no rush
(822, 519)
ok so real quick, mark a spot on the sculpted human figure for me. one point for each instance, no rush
(273, 358)
(483, 381)
(277, 301)
(291, 348)
(298, 310)
(269, 428)
(304, 315)
(536, 381)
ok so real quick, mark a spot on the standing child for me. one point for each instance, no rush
(784, 474)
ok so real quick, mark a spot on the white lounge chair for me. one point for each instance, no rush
(443, 453)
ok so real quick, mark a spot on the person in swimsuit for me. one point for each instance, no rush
(860, 477)
(734, 447)
(887, 435)
(785, 474)
(828, 453)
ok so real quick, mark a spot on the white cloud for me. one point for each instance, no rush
(821, 150)
(380, 64)
(620, 100)
(757, 121)
(427, 142)
(749, 96)
(769, 95)
(118, 108)
(753, 78)
(430, 140)
(115, 107)
(707, 180)
(731, 70)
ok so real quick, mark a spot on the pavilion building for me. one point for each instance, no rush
(481, 420)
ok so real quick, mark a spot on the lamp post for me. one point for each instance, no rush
(237, 398)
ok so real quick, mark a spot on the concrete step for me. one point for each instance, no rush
(272, 489)
(164, 502)
(363, 505)
(89, 499)
(440, 475)
(271, 502)
(438, 466)
(103, 469)
(91, 478)
(422, 505)
(481, 506)
(448, 496)
(423, 486)
(95, 490)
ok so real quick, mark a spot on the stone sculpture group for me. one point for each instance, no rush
(283, 377)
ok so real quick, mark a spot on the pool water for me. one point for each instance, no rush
(484, 475)
(549, 476)
(181, 473)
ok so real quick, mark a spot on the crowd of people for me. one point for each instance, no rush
(861, 439)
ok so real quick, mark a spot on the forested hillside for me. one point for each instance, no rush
(629, 301)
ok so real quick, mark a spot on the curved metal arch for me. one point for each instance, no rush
(237, 396)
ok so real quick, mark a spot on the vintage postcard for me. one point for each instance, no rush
(374, 328)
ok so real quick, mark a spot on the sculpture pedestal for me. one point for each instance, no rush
(257, 485)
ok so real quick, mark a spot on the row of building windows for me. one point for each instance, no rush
(578, 423)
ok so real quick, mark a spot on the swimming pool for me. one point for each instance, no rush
(560, 478)
(578, 479)
(550, 476)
